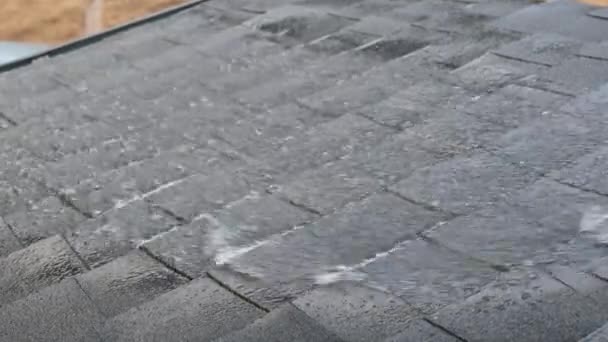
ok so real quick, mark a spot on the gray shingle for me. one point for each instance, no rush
(543, 48)
(547, 144)
(594, 50)
(329, 188)
(127, 282)
(530, 230)
(41, 264)
(321, 144)
(61, 312)
(534, 308)
(464, 184)
(106, 190)
(515, 105)
(118, 231)
(587, 172)
(357, 313)
(43, 219)
(422, 331)
(201, 310)
(428, 276)
(200, 194)
(286, 323)
(579, 75)
(599, 335)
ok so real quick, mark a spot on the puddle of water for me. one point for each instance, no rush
(55, 22)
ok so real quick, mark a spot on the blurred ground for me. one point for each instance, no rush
(595, 2)
(118, 11)
(52, 22)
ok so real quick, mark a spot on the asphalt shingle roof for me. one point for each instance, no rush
(354, 170)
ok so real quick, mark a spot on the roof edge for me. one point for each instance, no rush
(88, 40)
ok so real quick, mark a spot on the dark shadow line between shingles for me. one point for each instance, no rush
(558, 279)
(594, 275)
(12, 230)
(68, 203)
(8, 119)
(448, 214)
(300, 206)
(179, 219)
(572, 186)
(603, 59)
(496, 267)
(73, 250)
(93, 302)
(443, 329)
(523, 60)
(234, 292)
(164, 263)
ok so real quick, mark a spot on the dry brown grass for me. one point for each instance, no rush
(602, 3)
(116, 12)
(44, 21)
(56, 21)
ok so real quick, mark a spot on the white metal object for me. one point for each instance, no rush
(11, 51)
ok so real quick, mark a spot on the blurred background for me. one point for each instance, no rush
(31, 26)
(56, 21)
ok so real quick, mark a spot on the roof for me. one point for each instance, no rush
(365, 170)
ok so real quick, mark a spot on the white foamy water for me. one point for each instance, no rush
(221, 241)
(594, 224)
(350, 273)
(340, 275)
(226, 254)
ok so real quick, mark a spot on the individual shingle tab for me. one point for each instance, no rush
(199, 311)
(542, 48)
(535, 308)
(286, 323)
(357, 313)
(61, 312)
(41, 264)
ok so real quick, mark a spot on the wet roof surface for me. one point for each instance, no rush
(316, 171)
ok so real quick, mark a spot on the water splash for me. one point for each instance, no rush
(223, 241)
(594, 224)
(338, 276)
(227, 253)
